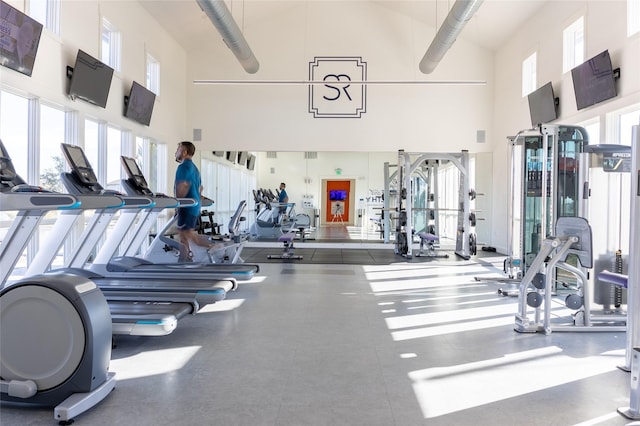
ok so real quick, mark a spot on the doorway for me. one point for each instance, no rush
(338, 201)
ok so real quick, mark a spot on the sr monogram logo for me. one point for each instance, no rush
(337, 97)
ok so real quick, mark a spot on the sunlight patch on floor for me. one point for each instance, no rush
(430, 272)
(151, 363)
(445, 390)
(420, 283)
(455, 315)
(222, 306)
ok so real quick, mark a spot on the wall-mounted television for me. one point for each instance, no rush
(232, 156)
(139, 104)
(251, 162)
(90, 79)
(594, 81)
(19, 39)
(219, 153)
(337, 195)
(242, 158)
(542, 105)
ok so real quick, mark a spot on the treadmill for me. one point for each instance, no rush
(159, 288)
(82, 180)
(136, 185)
(32, 203)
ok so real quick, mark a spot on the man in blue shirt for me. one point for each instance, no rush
(283, 197)
(188, 185)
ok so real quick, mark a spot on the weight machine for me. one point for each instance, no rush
(425, 166)
(549, 169)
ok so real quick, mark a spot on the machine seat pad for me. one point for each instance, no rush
(287, 238)
(620, 280)
(425, 236)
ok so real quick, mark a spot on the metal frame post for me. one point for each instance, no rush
(633, 295)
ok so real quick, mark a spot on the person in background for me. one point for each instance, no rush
(283, 197)
(188, 185)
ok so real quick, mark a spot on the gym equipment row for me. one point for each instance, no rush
(274, 219)
(60, 357)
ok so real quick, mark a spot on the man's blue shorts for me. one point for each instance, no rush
(186, 221)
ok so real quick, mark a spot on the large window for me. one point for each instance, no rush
(153, 74)
(47, 12)
(529, 76)
(111, 42)
(14, 130)
(573, 45)
(113, 150)
(217, 179)
(52, 133)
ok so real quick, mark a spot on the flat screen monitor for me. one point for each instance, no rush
(90, 80)
(3, 151)
(593, 81)
(242, 158)
(139, 104)
(7, 171)
(79, 164)
(337, 195)
(232, 156)
(133, 171)
(251, 162)
(19, 39)
(542, 105)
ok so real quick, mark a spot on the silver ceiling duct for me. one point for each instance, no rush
(222, 19)
(458, 16)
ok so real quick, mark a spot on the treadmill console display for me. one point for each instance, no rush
(135, 174)
(79, 164)
(8, 175)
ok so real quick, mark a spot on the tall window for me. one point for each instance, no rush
(573, 45)
(626, 122)
(633, 17)
(111, 41)
(14, 119)
(91, 144)
(529, 76)
(52, 133)
(47, 12)
(14, 130)
(114, 140)
(153, 74)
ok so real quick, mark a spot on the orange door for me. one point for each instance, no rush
(337, 196)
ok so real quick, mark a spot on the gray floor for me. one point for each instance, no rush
(392, 344)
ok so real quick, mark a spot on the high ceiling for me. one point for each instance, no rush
(491, 26)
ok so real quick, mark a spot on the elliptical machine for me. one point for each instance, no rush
(56, 329)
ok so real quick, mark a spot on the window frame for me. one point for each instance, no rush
(529, 74)
(111, 37)
(573, 45)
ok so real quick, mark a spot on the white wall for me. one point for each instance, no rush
(605, 28)
(276, 118)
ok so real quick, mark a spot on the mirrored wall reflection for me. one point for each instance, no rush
(332, 188)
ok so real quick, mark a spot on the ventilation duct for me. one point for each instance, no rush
(458, 16)
(222, 19)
